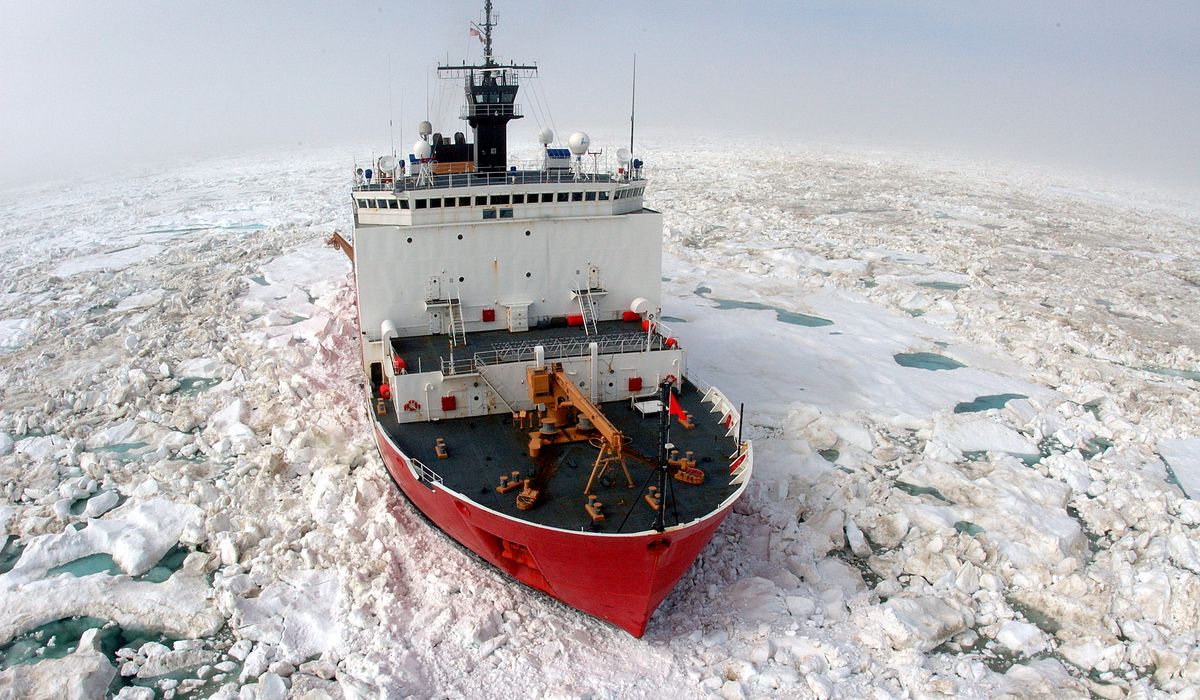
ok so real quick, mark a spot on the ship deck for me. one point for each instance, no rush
(482, 448)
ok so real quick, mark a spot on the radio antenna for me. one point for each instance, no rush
(633, 104)
(391, 129)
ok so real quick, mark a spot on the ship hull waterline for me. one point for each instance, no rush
(618, 578)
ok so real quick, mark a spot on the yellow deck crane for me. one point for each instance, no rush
(569, 416)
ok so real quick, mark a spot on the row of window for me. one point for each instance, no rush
(496, 199)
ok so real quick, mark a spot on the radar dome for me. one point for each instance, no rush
(578, 143)
(424, 129)
(545, 136)
(422, 149)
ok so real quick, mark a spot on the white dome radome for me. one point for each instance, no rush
(424, 128)
(422, 149)
(546, 136)
(578, 143)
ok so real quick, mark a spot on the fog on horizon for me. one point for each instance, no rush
(1102, 87)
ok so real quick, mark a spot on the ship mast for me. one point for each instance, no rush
(491, 91)
(487, 33)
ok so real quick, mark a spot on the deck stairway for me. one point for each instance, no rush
(587, 307)
(458, 328)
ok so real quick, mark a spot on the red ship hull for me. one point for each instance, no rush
(618, 578)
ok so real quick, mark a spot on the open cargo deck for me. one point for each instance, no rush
(481, 449)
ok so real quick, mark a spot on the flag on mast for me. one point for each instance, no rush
(475, 33)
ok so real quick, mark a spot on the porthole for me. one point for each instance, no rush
(476, 398)
(460, 236)
(527, 233)
(610, 385)
(410, 240)
(529, 274)
(460, 279)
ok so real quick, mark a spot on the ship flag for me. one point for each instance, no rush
(676, 409)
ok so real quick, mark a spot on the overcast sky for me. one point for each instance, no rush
(1105, 87)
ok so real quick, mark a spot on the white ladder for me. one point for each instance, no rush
(587, 307)
(458, 329)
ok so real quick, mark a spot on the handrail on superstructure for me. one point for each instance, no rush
(519, 177)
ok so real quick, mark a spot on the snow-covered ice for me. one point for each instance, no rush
(969, 389)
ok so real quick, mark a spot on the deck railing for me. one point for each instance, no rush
(530, 176)
(554, 349)
(424, 472)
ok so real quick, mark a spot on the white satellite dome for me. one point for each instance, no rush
(422, 149)
(623, 156)
(424, 129)
(546, 136)
(578, 143)
(387, 163)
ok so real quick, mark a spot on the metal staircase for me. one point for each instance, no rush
(493, 393)
(458, 329)
(587, 307)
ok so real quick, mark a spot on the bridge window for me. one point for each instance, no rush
(404, 204)
(518, 199)
(563, 196)
(604, 196)
(393, 204)
(489, 213)
(547, 196)
(506, 213)
(590, 196)
(576, 196)
(451, 201)
(420, 203)
(362, 204)
(464, 201)
(481, 201)
(435, 203)
(500, 199)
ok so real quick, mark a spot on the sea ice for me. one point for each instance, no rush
(866, 559)
(81, 675)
